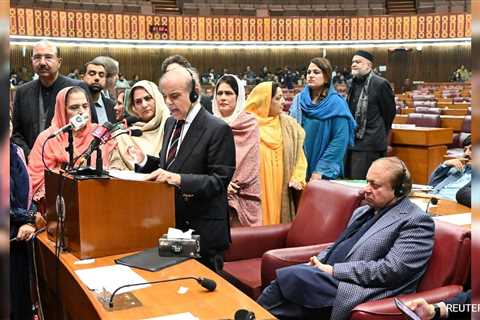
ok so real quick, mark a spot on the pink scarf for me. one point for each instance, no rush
(246, 202)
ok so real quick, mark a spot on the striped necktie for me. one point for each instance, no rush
(172, 151)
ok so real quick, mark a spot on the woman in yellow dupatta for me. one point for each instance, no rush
(282, 160)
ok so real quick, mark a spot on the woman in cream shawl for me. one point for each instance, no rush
(282, 160)
(244, 188)
(70, 101)
(146, 103)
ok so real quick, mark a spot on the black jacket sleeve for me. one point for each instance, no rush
(464, 195)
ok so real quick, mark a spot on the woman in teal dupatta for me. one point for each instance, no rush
(327, 121)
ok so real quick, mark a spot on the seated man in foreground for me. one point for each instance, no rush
(454, 174)
(383, 252)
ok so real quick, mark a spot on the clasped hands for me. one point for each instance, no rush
(314, 262)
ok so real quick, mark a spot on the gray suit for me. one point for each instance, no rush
(389, 259)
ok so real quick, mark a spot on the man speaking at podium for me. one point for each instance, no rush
(198, 157)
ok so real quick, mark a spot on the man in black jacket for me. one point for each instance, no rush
(34, 103)
(96, 79)
(198, 158)
(372, 103)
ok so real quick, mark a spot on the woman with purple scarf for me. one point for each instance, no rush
(327, 121)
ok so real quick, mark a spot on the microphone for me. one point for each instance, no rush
(129, 120)
(208, 284)
(101, 134)
(130, 132)
(243, 314)
(76, 122)
(433, 201)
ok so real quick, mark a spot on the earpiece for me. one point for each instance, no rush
(402, 187)
(193, 96)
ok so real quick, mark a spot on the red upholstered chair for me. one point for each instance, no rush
(447, 271)
(324, 210)
(424, 120)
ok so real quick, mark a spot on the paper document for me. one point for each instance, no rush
(127, 175)
(421, 187)
(460, 219)
(110, 278)
(178, 316)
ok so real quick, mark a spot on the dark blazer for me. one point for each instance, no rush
(26, 110)
(388, 260)
(380, 113)
(206, 163)
(109, 104)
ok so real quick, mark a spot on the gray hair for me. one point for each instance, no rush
(111, 65)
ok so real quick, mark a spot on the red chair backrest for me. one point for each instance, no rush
(450, 261)
(324, 211)
(424, 120)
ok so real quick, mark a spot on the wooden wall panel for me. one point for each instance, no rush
(431, 64)
(81, 24)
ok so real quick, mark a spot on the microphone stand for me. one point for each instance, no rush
(99, 162)
(69, 149)
(208, 284)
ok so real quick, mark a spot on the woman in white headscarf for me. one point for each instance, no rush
(244, 188)
(146, 103)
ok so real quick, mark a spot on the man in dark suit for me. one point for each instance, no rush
(372, 104)
(198, 157)
(383, 252)
(34, 103)
(96, 77)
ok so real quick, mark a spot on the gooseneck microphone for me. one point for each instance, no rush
(433, 201)
(208, 284)
(76, 122)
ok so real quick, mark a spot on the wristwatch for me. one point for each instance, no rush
(437, 312)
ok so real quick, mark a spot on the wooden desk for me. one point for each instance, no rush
(446, 121)
(444, 207)
(421, 149)
(79, 302)
(454, 112)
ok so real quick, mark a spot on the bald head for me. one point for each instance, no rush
(175, 86)
(178, 76)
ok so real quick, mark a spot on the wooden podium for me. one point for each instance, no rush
(422, 149)
(108, 216)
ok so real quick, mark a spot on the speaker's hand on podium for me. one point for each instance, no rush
(161, 175)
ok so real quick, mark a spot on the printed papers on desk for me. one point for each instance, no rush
(110, 278)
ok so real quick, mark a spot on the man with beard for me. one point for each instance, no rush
(372, 104)
(96, 77)
(35, 101)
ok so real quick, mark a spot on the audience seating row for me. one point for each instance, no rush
(254, 8)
